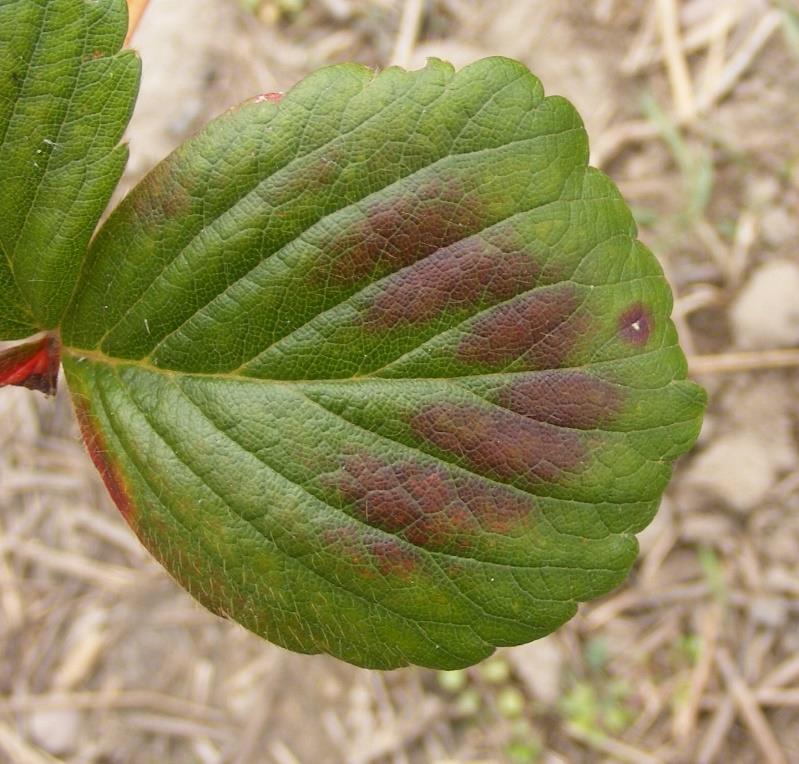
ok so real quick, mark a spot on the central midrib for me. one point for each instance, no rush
(97, 356)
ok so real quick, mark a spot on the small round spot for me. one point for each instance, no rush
(636, 324)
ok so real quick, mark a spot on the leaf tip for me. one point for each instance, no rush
(33, 365)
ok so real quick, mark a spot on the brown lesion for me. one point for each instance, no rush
(396, 232)
(495, 442)
(540, 328)
(94, 55)
(392, 558)
(456, 277)
(161, 193)
(32, 364)
(564, 398)
(427, 504)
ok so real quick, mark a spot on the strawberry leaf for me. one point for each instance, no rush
(381, 370)
(66, 95)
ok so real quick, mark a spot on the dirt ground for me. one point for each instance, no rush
(693, 108)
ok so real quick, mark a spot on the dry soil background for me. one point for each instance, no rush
(693, 108)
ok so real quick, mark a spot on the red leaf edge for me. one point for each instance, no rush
(32, 364)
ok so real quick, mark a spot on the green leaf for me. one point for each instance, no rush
(66, 95)
(381, 370)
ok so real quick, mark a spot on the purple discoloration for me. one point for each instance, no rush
(540, 327)
(636, 324)
(397, 232)
(564, 398)
(493, 441)
(427, 504)
(455, 277)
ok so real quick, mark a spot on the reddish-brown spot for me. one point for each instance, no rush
(636, 324)
(346, 544)
(33, 365)
(162, 193)
(541, 328)
(323, 170)
(372, 554)
(109, 472)
(455, 278)
(270, 97)
(427, 504)
(565, 398)
(397, 232)
(501, 443)
(392, 557)
(315, 174)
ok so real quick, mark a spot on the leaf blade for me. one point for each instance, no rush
(70, 93)
(419, 414)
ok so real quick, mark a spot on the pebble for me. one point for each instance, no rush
(769, 611)
(766, 313)
(736, 468)
(538, 665)
(57, 731)
(780, 227)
